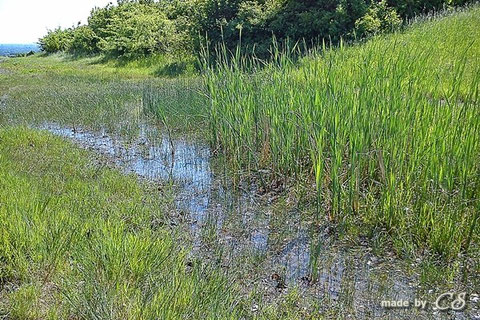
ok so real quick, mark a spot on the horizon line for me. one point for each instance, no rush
(18, 43)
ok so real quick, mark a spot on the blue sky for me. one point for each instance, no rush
(24, 21)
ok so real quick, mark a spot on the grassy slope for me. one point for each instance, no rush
(386, 131)
(79, 241)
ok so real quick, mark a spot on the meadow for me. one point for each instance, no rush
(96, 93)
(372, 144)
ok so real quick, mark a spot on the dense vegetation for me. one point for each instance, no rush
(81, 241)
(142, 27)
(387, 131)
(379, 137)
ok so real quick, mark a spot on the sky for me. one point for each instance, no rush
(24, 21)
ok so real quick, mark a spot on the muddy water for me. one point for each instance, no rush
(241, 229)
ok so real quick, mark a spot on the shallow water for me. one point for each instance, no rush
(241, 226)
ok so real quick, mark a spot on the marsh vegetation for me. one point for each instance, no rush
(313, 184)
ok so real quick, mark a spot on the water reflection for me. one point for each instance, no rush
(358, 281)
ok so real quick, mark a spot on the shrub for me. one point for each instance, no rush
(379, 18)
(84, 41)
(56, 40)
(136, 30)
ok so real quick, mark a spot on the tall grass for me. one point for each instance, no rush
(180, 104)
(387, 131)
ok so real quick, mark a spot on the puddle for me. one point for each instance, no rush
(181, 161)
(3, 102)
(295, 256)
(240, 225)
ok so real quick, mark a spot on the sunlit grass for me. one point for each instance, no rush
(384, 134)
(386, 130)
(96, 94)
(100, 66)
(77, 241)
(179, 104)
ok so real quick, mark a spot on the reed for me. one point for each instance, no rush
(387, 130)
(180, 104)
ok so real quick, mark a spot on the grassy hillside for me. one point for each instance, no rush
(386, 132)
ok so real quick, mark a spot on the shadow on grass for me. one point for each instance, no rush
(156, 65)
(177, 68)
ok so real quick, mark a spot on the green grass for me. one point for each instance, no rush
(179, 104)
(385, 132)
(382, 135)
(78, 241)
(96, 94)
(140, 68)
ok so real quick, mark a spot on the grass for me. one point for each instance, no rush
(96, 94)
(77, 241)
(140, 68)
(385, 132)
(381, 137)
(180, 104)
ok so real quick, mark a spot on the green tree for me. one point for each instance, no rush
(134, 29)
(141, 27)
(83, 41)
(378, 18)
(56, 40)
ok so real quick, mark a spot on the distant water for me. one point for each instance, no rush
(14, 49)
